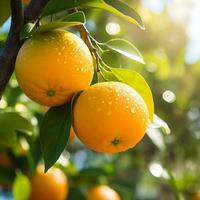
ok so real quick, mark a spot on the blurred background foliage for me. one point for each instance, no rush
(170, 46)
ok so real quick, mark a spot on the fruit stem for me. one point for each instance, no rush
(89, 40)
(85, 35)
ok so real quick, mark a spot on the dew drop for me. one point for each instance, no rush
(132, 110)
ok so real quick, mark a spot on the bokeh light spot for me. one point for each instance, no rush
(156, 169)
(113, 28)
(169, 96)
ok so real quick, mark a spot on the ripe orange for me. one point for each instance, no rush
(52, 185)
(52, 66)
(102, 192)
(110, 117)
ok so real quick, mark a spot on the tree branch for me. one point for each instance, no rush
(9, 52)
(12, 45)
(34, 10)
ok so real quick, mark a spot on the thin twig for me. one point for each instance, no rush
(85, 35)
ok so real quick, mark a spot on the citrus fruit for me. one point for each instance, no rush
(52, 185)
(52, 66)
(102, 192)
(110, 117)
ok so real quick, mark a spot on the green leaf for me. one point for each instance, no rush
(124, 48)
(54, 25)
(21, 187)
(116, 7)
(111, 58)
(95, 78)
(54, 133)
(136, 81)
(55, 6)
(107, 75)
(9, 123)
(26, 30)
(75, 17)
(4, 10)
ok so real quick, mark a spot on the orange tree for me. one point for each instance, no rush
(55, 67)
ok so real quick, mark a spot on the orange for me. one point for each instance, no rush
(52, 185)
(52, 66)
(102, 192)
(110, 117)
